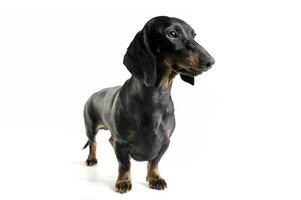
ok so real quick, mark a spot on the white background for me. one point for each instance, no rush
(238, 129)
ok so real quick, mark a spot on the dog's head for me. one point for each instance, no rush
(169, 42)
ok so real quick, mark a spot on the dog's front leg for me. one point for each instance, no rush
(153, 177)
(123, 183)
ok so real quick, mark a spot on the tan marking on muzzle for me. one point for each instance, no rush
(192, 58)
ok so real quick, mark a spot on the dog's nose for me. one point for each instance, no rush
(209, 64)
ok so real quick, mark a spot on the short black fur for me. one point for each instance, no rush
(140, 114)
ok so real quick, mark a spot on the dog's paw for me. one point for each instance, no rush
(123, 186)
(91, 162)
(157, 183)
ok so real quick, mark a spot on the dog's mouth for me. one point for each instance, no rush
(187, 70)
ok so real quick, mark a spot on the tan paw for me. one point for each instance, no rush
(157, 183)
(123, 186)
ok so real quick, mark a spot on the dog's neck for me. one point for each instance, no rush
(165, 76)
(159, 94)
(150, 97)
(161, 87)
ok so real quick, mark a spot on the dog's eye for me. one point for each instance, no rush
(172, 35)
(193, 34)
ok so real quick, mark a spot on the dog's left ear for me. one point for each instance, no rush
(187, 79)
(139, 59)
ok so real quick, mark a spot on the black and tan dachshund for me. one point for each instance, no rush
(140, 114)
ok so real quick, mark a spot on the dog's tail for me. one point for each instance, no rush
(88, 142)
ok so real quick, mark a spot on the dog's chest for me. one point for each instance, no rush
(145, 145)
(147, 139)
(145, 122)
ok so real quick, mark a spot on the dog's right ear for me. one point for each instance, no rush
(139, 59)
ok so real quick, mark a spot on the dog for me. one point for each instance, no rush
(140, 114)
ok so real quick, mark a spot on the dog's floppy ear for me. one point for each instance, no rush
(187, 79)
(139, 59)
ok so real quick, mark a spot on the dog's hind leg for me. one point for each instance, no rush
(92, 127)
(91, 134)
